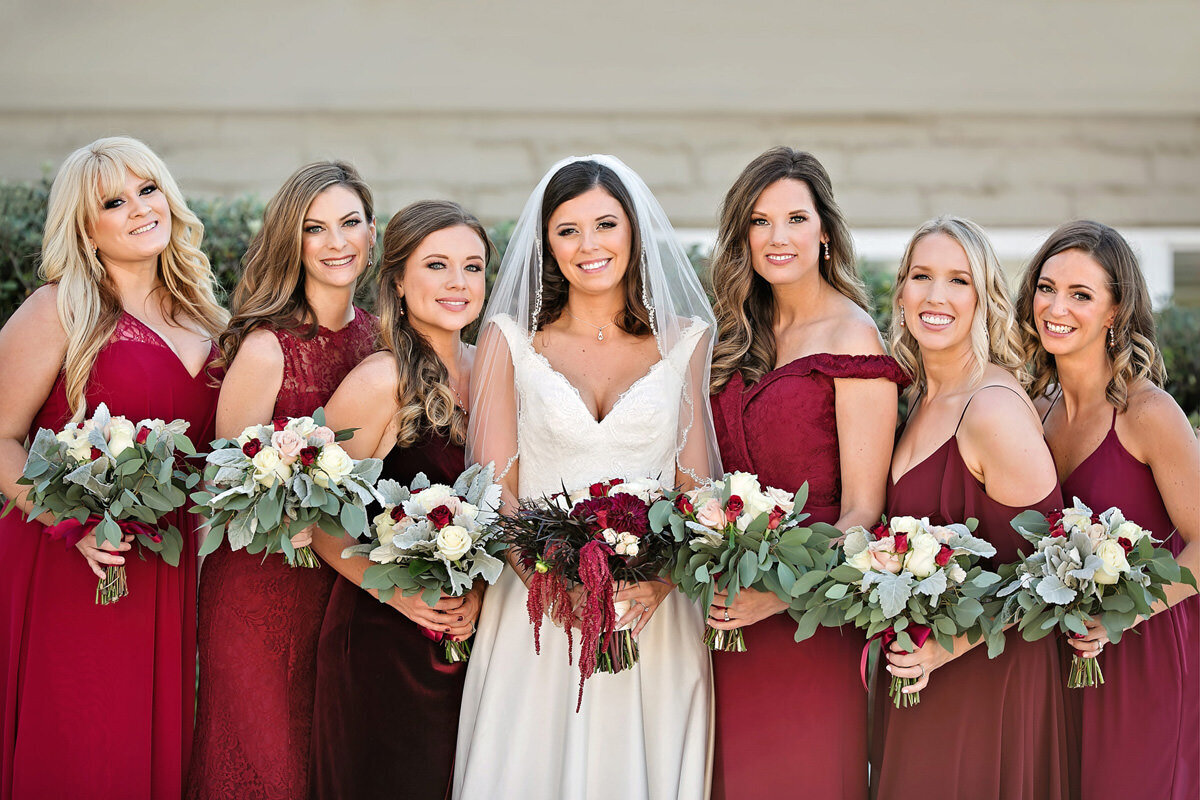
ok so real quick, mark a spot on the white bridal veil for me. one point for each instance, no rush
(671, 291)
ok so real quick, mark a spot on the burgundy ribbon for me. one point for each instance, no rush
(72, 530)
(919, 634)
(435, 636)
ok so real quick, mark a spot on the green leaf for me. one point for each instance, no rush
(354, 519)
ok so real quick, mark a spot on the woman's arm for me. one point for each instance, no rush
(251, 385)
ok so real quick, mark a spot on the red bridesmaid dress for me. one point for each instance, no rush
(97, 700)
(259, 620)
(1138, 735)
(985, 728)
(791, 719)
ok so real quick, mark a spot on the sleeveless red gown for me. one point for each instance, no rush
(791, 719)
(259, 620)
(97, 700)
(1138, 735)
(386, 716)
(985, 728)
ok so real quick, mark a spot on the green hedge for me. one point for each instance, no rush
(230, 224)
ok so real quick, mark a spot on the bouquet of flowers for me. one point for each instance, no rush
(733, 534)
(273, 481)
(113, 477)
(1085, 566)
(434, 539)
(903, 581)
(589, 539)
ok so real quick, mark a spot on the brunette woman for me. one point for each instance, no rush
(1119, 440)
(295, 334)
(387, 703)
(971, 447)
(97, 700)
(802, 391)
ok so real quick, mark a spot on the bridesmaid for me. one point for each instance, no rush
(294, 335)
(971, 447)
(386, 716)
(97, 700)
(802, 391)
(1119, 440)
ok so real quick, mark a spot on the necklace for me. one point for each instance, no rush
(457, 396)
(599, 328)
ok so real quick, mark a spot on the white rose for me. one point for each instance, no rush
(301, 426)
(1075, 519)
(610, 536)
(1115, 563)
(385, 526)
(332, 465)
(438, 494)
(861, 560)
(941, 533)
(453, 542)
(909, 525)
(1130, 531)
(466, 510)
(260, 432)
(646, 489)
(120, 435)
(77, 444)
(744, 485)
(922, 550)
(269, 468)
(782, 499)
(955, 572)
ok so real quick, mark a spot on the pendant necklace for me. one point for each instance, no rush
(599, 328)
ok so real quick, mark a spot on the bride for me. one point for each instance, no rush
(592, 364)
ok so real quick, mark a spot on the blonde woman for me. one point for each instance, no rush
(971, 447)
(802, 392)
(97, 700)
(295, 334)
(1119, 440)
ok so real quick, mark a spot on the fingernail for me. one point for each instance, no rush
(460, 619)
(888, 668)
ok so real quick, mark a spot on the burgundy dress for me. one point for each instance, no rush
(259, 620)
(386, 716)
(791, 719)
(1138, 735)
(985, 728)
(97, 700)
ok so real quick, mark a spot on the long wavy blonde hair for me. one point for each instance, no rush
(423, 392)
(1134, 350)
(995, 338)
(88, 304)
(744, 304)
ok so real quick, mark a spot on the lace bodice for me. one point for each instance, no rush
(314, 367)
(561, 443)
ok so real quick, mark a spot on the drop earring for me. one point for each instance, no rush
(826, 250)
(901, 316)
(1112, 338)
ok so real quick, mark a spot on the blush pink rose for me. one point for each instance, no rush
(711, 515)
(321, 436)
(288, 443)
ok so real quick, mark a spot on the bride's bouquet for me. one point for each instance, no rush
(1085, 566)
(113, 477)
(583, 542)
(273, 481)
(903, 581)
(733, 534)
(434, 539)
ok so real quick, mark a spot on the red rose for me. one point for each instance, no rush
(774, 517)
(252, 448)
(1126, 545)
(880, 531)
(308, 455)
(440, 517)
(96, 453)
(733, 508)
(397, 513)
(1053, 517)
(280, 423)
(901, 545)
(944, 555)
(598, 490)
(143, 433)
(683, 504)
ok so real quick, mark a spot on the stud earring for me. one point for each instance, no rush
(826, 250)
(901, 316)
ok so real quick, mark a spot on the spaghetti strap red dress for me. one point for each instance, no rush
(97, 700)
(259, 620)
(791, 719)
(1138, 734)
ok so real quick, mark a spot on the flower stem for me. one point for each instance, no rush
(304, 558)
(1084, 672)
(457, 652)
(725, 641)
(899, 698)
(113, 586)
(617, 651)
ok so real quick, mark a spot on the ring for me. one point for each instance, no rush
(1099, 646)
(922, 675)
(727, 615)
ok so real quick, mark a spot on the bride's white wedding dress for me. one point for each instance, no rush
(642, 733)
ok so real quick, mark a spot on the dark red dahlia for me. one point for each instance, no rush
(621, 512)
(252, 448)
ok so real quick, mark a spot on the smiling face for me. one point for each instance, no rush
(785, 234)
(336, 238)
(134, 226)
(938, 296)
(1073, 306)
(590, 238)
(443, 282)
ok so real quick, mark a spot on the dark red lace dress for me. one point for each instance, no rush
(791, 719)
(259, 620)
(985, 728)
(97, 700)
(386, 716)
(1138, 735)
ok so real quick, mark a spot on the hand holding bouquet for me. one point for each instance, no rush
(903, 581)
(585, 541)
(434, 539)
(273, 481)
(114, 478)
(1085, 566)
(733, 534)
